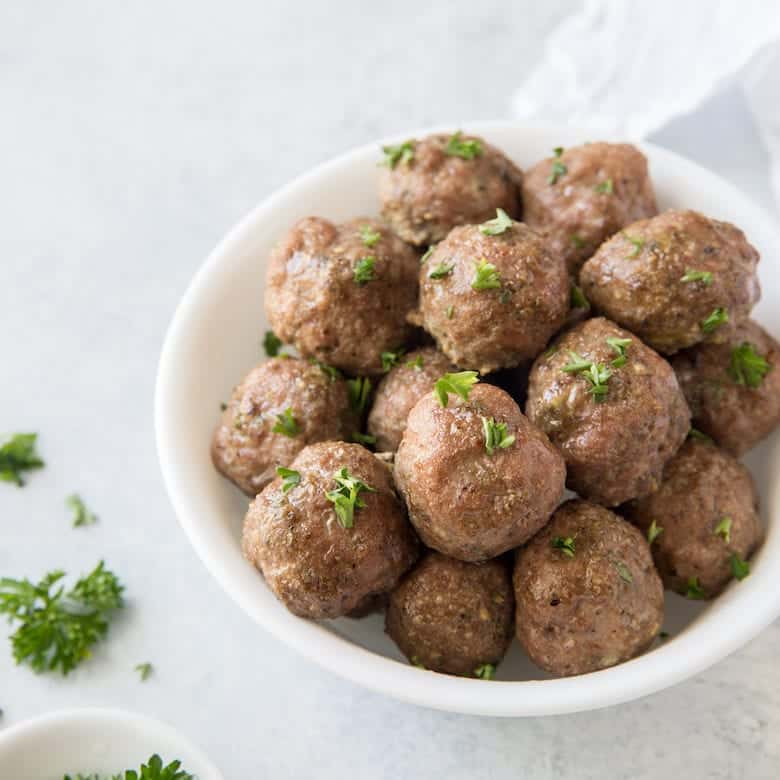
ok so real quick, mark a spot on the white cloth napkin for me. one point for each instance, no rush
(629, 68)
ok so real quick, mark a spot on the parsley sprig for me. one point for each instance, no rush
(369, 236)
(739, 568)
(693, 590)
(272, 343)
(80, 515)
(486, 277)
(717, 318)
(747, 367)
(402, 153)
(391, 359)
(566, 544)
(459, 383)
(596, 374)
(558, 169)
(290, 478)
(723, 529)
(17, 454)
(153, 769)
(364, 270)
(620, 346)
(286, 424)
(653, 532)
(497, 226)
(58, 628)
(441, 270)
(691, 275)
(496, 435)
(346, 497)
(467, 150)
(485, 671)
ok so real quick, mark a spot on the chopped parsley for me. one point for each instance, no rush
(566, 544)
(272, 343)
(637, 243)
(152, 770)
(695, 433)
(330, 371)
(739, 568)
(17, 454)
(369, 236)
(364, 270)
(624, 572)
(485, 671)
(363, 438)
(346, 497)
(718, 317)
(467, 150)
(723, 529)
(391, 359)
(578, 241)
(144, 671)
(428, 253)
(494, 227)
(286, 424)
(290, 478)
(359, 390)
(496, 436)
(80, 515)
(441, 270)
(578, 299)
(597, 375)
(402, 153)
(620, 346)
(697, 276)
(653, 532)
(58, 628)
(486, 277)
(558, 169)
(417, 363)
(605, 187)
(459, 383)
(747, 367)
(694, 590)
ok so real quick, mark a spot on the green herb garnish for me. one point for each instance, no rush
(486, 277)
(494, 227)
(417, 363)
(566, 544)
(286, 424)
(359, 390)
(695, 433)
(715, 320)
(80, 515)
(144, 671)
(739, 568)
(428, 253)
(558, 169)
(364, 270)
(697, 276)
(152, 770)
(369, 236)
(330, 371)
(496, 436)
(467, 150)
(653, 532)
(578, 241)
(459, 383)
(637, 243)
(57, 627)
(346, 497)
(694, 590)
(596, 374)
(578, 299)
(723, 529)
(449, 311)
(290, 478)
(620, 346)
(363, 438)
(747, 367)
(485, 671)
(17, 454)
(624, 572)
(605, 188)
(441, 270)
(403, 153)
(272, 343)
(391, 359)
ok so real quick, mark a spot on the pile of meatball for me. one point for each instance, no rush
(386, 451)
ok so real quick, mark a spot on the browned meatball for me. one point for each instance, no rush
(341, 293)
(321, 559)
(281, 406)
(675, 280)
(453, 617)
(443, 181)
(612, 406)
(584, 195)
(399, 391)
(467, 501)
(492, 301)
(704, 520)
(733, 389)
(588, 595)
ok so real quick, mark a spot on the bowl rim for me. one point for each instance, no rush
(676, 660)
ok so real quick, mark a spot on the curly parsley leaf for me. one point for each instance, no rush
(369, 236)
(402, 153)
(290, 478)
(723, 529)
(739, 568)
(497, 226)
(364, 270)
(558, 169)
(694, 590)
(717, 318)
(653, 532)
(17, 454)
(697, 276)
(467, 150)
(80, 515)
(620, 346)
(605, 187)
(496, 435)
(346, 497)
(747, 367)
(286, 424)
(566, 544)
(58, 628)
(459, 383)
(272, 343)
(486, 277)
(485, 671)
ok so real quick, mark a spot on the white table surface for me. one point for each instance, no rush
(131, 139)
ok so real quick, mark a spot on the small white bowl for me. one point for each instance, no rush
(214, 340)
(94, 741)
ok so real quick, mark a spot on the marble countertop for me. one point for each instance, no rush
(133, 136)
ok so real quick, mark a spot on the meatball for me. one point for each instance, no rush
(399, 391)
(612, 406)
(430, 186)
(492, 301)
(341, 293)
(584, 195)
(588, 595)
(477, 477)
(281, 406)
(675, 280)
(331, 534)
(733, 389)
(703, 520)
(453, 617)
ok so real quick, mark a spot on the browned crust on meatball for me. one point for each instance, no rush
(400, 390)
(453, 617)
(423, 199)
(635, 278)
(572, 213)
(315, 567)
(701, 485)
(736, 415)
(615, 449)
(244, 447)
(488, 329)
(596, 609)
(463, 501)
(314, 302)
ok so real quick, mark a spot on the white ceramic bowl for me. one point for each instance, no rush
(94, 741)
(214, 340)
